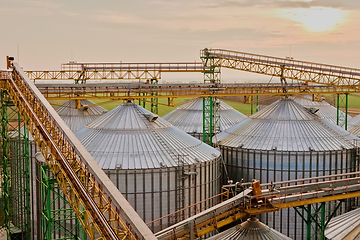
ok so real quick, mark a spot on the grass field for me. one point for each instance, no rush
(163, 110)
(108, 105)
(353, 102)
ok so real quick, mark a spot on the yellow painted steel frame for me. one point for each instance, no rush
(99, 218)
(287, 68)
(115, 71)
(238, 212)
(269, 203)
(94, 74)
(124, 94)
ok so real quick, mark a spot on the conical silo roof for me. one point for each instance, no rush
(326, 110)
(252, 229)
(354, 125)
(286, 125)
(189, 116)
(77, 118)
(344, 226)
(131, 137)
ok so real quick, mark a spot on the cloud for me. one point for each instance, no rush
(344, 4)
(116, 18)
(21, 7)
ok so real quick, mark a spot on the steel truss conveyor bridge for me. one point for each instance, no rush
(81, 72)
(134, 91)
(103, 211)
(343, 80)
(253, 199)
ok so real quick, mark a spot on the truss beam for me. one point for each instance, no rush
(274, 196)
(154, 98)
(119, 71)
(211, 105)
(15, 175)
(146, 91)
(58, 218)
(286, 68)
(342, 117)
(70, 163)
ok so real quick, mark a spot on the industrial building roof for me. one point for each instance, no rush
(286, 125)
(131, 137)
(344, 226)
(326, 110)
(252, 229)
(189, 116)
(77, 118)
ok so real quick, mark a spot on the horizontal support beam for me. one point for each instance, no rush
(117, 71)
(140, 91)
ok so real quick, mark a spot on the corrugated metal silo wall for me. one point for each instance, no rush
(267, 166)
(17, 166)
(18, 182)
(154, 193)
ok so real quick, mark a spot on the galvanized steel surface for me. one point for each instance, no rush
(286, 126)
(354, 125)
(343, 225)
(283, 142)
(189, 116)
(252, 229)
(159, 168)
(326, 110)
(125, 139)
(78, 118)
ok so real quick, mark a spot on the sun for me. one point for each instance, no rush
(316, 19)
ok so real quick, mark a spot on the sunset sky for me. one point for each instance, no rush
(50, 32)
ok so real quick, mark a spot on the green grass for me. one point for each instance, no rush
(353, 100)
(163, 110)
(244, 108)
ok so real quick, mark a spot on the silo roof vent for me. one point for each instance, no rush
(151, 117)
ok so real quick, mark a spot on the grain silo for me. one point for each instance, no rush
(325, 109)
(354, 125)
(344, 226)
(251, 229)
(157, 167)
(189, 117)
(282, 142)
(78, 113)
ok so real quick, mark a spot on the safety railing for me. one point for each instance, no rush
(172, 218)
(98, 204)
(285, 67)
(117, 71)
(274, 196)
(162, 67)
(93, 91)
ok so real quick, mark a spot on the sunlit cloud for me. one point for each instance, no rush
(116, 18)
(316, 19)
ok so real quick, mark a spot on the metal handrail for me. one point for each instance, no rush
(181, 215)
(272, 199)
(90, 187)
